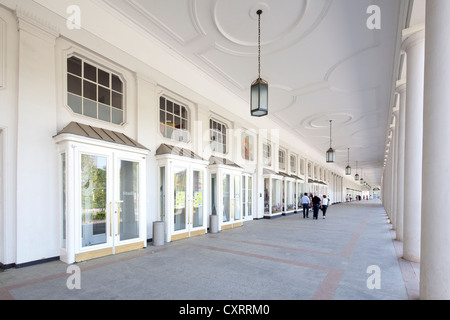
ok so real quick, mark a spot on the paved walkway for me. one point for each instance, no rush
(350, 255)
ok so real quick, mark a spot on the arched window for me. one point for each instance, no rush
(94, 92)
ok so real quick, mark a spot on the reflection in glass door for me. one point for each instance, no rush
(93, 200)
(179, 214)
(197, 215)
(226, 198)
(247, 194)
(237, 198)
(129, 200)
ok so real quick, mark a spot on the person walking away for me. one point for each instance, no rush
(305, 205)
(324, 206)
(316, 205)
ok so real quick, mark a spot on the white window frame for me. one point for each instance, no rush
(293, 163)
(183, 134)
(224, 141)
(97, 63)
(267, 158)
(282, 159)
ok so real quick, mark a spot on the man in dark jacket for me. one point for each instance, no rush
(316, 205)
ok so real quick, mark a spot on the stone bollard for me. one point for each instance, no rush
(158, 233)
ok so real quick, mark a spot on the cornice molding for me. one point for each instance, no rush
(31, 23)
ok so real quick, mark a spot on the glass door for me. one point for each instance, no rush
(179, 209)
(237, 198)
(247, 194)
(128, 213)
(226, 196)
(95, 220)
(188, 202)
(197, 190)
(232, 199)
(110, 215)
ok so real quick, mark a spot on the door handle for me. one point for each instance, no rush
(110, 218)
(118, 216)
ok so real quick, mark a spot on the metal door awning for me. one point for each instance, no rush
(169, 149)
(101, 134)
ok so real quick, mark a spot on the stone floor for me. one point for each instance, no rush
(350, 255)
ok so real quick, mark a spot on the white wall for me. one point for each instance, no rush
(8, 126)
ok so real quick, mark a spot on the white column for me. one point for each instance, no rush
(435, 253)
(394, 155)
(414, 46)
(401, 89)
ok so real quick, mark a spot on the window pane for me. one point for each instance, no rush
(104, 95)
(74, 66)
(73, 84)
(184, 113)
(104, 112)
(177, 122)
(162, 103)
(117, 116)
(90, 90)
(90, 108)
(90, 72)
(75, 103)
(117, 83)
(103, 78)
(117, 100)
(162, 117)
(176, 109)
(169, 106)
(169, 119)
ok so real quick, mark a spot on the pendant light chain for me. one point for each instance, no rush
(330, 132)
(259, 12)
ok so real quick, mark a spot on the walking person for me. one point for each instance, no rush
(305, 204)
(316, 205)
(324, 206)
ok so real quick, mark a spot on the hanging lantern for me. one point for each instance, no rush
(348, 170)
(259, 92)
(331, 154)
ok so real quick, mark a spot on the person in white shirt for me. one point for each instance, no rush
(305, 204)
(324, 205)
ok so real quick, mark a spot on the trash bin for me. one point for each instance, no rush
(214, 223)
(158, 233)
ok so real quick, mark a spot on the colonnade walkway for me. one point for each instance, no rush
(350, 255)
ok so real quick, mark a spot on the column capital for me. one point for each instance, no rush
(400, 86)
(412, 36)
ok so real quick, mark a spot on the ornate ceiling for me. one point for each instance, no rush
(321, 59)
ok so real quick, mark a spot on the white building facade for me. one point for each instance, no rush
(103, 132)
